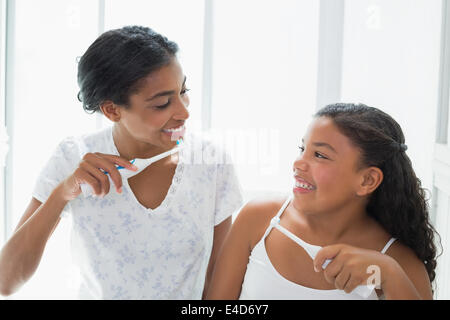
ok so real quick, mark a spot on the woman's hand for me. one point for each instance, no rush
(89, 171)
(352, 266)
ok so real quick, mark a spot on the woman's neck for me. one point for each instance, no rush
(130, 148)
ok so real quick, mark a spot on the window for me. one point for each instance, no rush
(264, 86)
(47, 37)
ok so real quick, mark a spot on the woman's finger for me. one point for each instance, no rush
(84, 177)
(96, 173)
(118, 160)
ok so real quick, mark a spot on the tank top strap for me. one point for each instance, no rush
(277, 216)
(388, 244)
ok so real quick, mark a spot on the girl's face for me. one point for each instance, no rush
(326, 172)
(158, 110)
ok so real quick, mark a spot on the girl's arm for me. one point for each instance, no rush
(406, 277)
(231, 264)
(220, 232)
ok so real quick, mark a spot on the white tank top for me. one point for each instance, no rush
(263, 282)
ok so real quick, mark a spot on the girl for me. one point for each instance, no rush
(156, 236)
(356, 205)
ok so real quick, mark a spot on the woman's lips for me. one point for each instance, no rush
(175, 133)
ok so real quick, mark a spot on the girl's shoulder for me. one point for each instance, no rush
(255, 216)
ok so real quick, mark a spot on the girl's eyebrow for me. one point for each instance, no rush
(165, 93)
(322, 144)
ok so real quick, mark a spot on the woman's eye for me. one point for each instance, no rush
(184, 91)
(302, 149)
(163, 106)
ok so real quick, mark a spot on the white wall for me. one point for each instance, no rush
(391, 61)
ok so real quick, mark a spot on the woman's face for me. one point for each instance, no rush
(158, 110)
(326, 172)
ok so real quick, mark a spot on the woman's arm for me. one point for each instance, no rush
(22, 253)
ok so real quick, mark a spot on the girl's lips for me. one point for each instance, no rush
(303, 181)
(302, 186)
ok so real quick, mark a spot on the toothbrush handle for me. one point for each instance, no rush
(326, 263)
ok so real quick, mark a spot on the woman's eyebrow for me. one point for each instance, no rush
(165, 93)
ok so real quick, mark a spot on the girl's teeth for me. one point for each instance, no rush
(302, 185)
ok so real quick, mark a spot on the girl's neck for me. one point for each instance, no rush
(334, 227)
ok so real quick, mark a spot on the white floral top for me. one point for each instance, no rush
(127, 251)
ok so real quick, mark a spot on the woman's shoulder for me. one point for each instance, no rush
(86, 139)
(255, 215)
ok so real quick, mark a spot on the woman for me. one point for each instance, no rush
(156, 236)
(357, 215)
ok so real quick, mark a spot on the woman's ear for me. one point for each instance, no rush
(111, 110)
(371, 179)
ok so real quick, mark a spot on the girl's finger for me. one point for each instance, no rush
(341, 280)
(351, 284)
(333, 270)
(328, 252)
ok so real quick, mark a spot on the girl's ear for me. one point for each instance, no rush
(111, 110)
(371, 178)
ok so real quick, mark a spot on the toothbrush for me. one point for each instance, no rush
(312, 250)
(140, 163)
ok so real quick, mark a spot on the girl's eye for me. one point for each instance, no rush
(302, 149)
(184, 91)
(318, 155)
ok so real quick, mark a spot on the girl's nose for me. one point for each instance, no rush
(300, 164)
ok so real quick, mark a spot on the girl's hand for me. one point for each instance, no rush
(352, 266)
(89, 171)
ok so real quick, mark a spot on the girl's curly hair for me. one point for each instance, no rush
(399, 204)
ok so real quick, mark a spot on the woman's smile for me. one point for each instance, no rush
(176, 132)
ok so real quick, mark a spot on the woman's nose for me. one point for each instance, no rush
(182, 112)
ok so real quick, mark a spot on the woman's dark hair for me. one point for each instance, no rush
(399, 204)
(112, 66)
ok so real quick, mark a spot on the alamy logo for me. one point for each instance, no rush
(375, 276)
